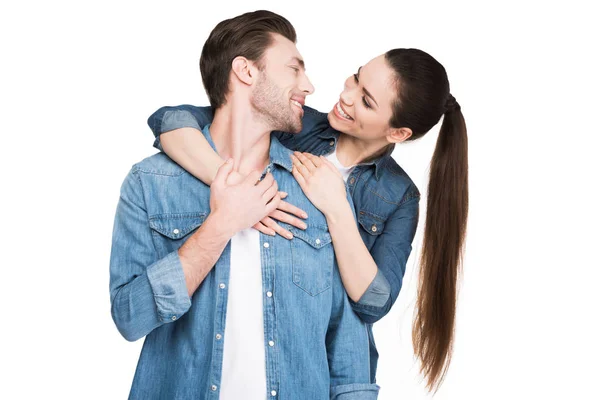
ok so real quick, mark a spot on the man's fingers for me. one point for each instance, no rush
(252, 178)
(272, 205)
(266, 183)
(223, 172)
(271, 192)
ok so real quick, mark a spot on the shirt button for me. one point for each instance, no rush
(352, 180)
(332, 143)
(318, 241)
(273, 393)
(271, 343)
(374, 228)
(222, 286)
(269, 294)
(176, 231)
(266, 245)
(218, 336)
(213, 388)
(173, 318)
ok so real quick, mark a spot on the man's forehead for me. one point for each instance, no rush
(284, 48)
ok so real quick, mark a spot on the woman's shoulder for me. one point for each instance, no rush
(394, 182)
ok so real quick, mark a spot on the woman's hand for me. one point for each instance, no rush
(285, 212)
(320, 181)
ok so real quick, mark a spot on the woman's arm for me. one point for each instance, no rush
(189, 148)
(178, 133)
(371, 279)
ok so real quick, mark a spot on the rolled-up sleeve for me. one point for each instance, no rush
(169, 118)
(357, 391)
(145, 292)
(378, 292)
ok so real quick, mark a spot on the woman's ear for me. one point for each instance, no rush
(398, 135)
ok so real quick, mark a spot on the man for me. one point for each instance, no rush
(229, 313)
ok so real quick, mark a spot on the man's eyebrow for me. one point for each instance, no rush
(299, 61)
(365, 89)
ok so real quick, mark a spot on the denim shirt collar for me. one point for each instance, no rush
(378, 163)
(278, 153)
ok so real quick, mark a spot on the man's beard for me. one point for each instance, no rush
(269, 103)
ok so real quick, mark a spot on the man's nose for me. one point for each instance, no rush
(306, 86)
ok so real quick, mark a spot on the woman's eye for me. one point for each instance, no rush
(365, 102)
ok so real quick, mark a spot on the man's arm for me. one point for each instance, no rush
(147, 293)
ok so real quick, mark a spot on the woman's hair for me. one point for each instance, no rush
(423, 98)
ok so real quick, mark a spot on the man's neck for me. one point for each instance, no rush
(239, 134)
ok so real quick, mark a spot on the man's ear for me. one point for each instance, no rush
(398, 135)
(243, 69)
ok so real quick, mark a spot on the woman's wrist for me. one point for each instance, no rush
(340, 213)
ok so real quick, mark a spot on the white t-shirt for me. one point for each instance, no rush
(345, 171)
(244, 366)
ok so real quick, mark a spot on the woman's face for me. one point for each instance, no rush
(365, 106)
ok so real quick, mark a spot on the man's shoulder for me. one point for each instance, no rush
(158, 164)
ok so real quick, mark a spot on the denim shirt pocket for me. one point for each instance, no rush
(170, 231)
(312, 259)
(370, 223)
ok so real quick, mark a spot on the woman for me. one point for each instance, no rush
(396, 97)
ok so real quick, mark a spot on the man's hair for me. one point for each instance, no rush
(247, 35)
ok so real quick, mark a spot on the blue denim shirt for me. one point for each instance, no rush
(321, 347)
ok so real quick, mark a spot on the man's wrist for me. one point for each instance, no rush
(219, 225)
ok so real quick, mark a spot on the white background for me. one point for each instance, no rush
(79, 79)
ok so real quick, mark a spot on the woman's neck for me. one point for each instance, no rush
(351, 151)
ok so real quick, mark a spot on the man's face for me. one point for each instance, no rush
(282, 87)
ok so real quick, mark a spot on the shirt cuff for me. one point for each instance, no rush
(378, 292)
(168, 286)
(354, 391)
(176, 119)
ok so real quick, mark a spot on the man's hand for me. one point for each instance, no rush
(241, 205)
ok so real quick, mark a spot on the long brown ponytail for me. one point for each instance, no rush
(423, 97)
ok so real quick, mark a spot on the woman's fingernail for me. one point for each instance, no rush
(304, 215)
(303, 226)
(290, 236)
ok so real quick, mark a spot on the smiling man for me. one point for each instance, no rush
(228, 312)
